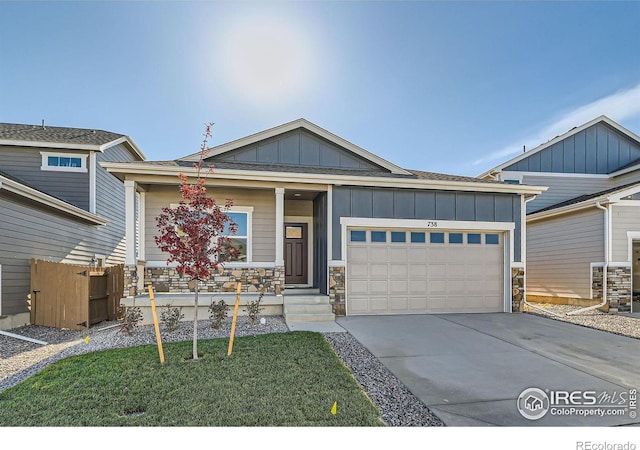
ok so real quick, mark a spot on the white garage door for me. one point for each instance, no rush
(417, 272)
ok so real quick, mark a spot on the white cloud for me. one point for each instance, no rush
(620, 106)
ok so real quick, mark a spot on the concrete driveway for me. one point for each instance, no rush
(470, 369)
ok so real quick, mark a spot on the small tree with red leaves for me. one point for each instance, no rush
(193, 232)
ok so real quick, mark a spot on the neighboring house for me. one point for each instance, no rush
(57, 203)
(316, 211)
(589, 218)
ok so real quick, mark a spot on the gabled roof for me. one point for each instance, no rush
(63, 137)
(588, 200)
(304, 124)
(602, 119)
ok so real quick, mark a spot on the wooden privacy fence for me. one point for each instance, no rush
(74, 297)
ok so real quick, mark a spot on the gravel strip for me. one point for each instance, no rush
(613, 323)
(21, 359)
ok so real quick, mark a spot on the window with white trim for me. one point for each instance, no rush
(64, 162)
(242, 216)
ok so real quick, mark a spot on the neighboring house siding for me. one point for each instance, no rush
(25, 164)
(560, 251)
(598, 149)
(28, 230)
(631, 177)
(624, 218)
(264, 218)
(562, 188)
(424, 205)
(110, 203)
(298, 148)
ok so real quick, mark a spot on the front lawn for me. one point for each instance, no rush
(283, 379)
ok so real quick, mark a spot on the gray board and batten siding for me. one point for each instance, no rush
(24, 163)
(596, 150)
(298, 148)
(31, 230)
(423, 205)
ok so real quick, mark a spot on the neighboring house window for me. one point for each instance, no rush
(512, 181)
(64, 162)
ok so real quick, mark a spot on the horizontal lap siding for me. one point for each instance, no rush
(264, 228)
(110, 204)
(30, 231)
(624, 219)
(562, 188)
(25, 164)
(631, 177)
(560, 252)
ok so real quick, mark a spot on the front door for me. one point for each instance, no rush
(295, 253)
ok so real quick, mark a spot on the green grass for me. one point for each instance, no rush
(284, 379)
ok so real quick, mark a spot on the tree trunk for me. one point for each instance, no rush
(195, 326)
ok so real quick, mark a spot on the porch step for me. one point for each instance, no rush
(307, 308)
(301, 291)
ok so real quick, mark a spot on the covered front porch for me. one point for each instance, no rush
(282, 237)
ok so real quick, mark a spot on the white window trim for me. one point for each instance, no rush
(46, 166)
(239, 209)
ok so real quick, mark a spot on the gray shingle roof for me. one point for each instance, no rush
(60, 135)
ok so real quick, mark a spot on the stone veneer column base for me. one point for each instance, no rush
(253, 279)
(619, 292)
(130, 281)
(517, 289)
(337, 290)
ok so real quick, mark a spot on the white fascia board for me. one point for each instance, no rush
(618, 196)
(290, 126)
(47, 200)
(125, 139)
(512, 174)
(346, 180)
(555, 140)
(66, 146)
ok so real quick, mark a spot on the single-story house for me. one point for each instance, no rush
(58, 204)
(584, 231)
(318, 212)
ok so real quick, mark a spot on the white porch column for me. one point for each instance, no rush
(142, 219)
(279, 226)
(130, 221)
(92, 182)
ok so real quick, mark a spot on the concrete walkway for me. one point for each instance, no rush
(469, 369)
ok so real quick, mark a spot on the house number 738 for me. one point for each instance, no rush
(432, 224)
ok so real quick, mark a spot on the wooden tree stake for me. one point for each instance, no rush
(156, 325)
(235, 318)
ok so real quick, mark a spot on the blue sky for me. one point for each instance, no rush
(452, 87)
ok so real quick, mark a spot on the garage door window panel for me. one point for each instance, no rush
(455, 238)
(418, 237)
(474, 238)
(492, 239)
(436, 238)
(398, 236)
(358, 236)
(379, 236)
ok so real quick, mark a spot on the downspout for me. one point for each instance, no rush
(524, 258)
(605, 269)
